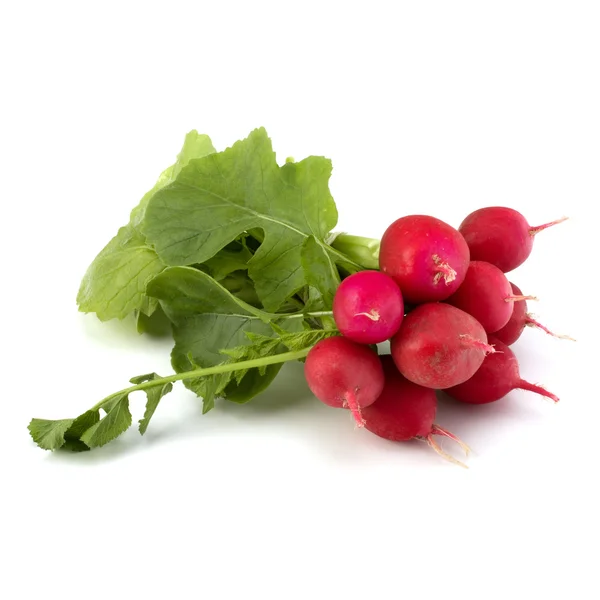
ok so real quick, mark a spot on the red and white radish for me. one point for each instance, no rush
(439, 345)
(368, 307)
(501, 236)
(344, 374)
(498, 375)
(406, 411)
(520, 319)
(426, 257)
(486, 294)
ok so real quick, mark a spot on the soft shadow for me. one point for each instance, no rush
(121, 333)
(123, 446)
(478, 425)
(330, 433)
(288, 391)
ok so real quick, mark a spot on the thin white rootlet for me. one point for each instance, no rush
(447, 272)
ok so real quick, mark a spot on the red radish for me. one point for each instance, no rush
(500, 236)
(497, 376)
(368, 307)
(427, 258)
(520, 319)
(439, 346)
(406, 411)
(344, 374)
(486, 295)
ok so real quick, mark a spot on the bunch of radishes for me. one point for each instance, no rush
(442, 299)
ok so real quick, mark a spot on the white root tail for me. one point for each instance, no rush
(443, 270)
(437, 430)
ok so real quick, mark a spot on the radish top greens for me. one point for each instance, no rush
(235, 252)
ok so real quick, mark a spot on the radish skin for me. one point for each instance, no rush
(486, 294)
(368, 307)
(501, 236)
(344, 374)
(520, 319)
(498, 375)
(426, 257)
(405, 411)
(439, 345)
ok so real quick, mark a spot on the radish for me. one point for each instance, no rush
(497, 376)
(344, 374)
(426, 257)
(486, 295)
(439, 345)
(501, 236)
(520, 319)
(368, 307)
(406, 411)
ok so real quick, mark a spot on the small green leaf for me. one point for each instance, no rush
(80, 425)
(320, 270)
(153, 396)
(234, 257)
(207, 320)
(113, 286)
(278, 329)
(218, 197)
(253, 384)
(108, 405)
(306, 339)
(114, 283)
(49, 435)
(117, 421)
(195, 145)
(261, 346)
(155, 325)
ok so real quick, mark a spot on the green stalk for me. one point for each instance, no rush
(204, 372)
(362, 250)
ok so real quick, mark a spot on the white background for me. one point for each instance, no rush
(436, 107)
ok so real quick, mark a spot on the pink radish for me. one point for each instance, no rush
(520, 319)
(500, 236)
(497, 376)
(439, 346)
(344, 374)
(426, 257)
(406, 411)
(486, 295)
(368, 307)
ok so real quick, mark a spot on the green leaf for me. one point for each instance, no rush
(81, 424)
(187, 292)
(307, 339)
(241, 286)
(253, 384)
(117, 421)
(234, 257)
(114, 284)
(216, 198)
(209, 389)
(260, 346)
(49, 435)
(108, 405)
(320, 270)
(204, 336)
(156, 325)
(207, 320)
(153, 397)
(195, 146)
